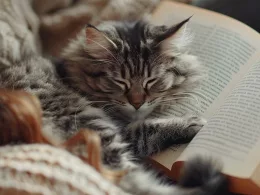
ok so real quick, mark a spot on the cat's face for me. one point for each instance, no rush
(133, 67)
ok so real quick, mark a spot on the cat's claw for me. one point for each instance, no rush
(195, 123)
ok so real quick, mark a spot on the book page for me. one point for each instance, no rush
(167, 157)
(233, 133)
(224, 46)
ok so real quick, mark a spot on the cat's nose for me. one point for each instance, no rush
(137, 105)
(136, 100)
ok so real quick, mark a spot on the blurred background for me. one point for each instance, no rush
(247, 11)
(60, 20)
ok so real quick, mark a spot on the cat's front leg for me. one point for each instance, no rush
(153, 135)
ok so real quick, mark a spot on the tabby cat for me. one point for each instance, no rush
(110, 79)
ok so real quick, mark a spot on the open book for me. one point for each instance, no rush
(229, 98)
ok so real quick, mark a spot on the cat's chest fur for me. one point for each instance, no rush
(123, 119)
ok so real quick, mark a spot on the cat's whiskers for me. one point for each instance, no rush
(110, 109)
(189, 94)
(161, 56)
(158, 57)
(195, 95)
(166, 104)
(93, 102)
(180, 95)
(163, 97)
(118, 102)
(178, 98)
(105, 105)
(100, 60)
(174, 99)
(109, 52)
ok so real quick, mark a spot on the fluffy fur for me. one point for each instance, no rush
(131, 68)
(110, 80)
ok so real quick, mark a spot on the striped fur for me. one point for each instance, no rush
(133, 68)
(127, 63)
(93, 81)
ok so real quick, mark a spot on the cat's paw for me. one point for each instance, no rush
(195, 123)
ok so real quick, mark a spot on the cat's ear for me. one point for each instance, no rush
(98, 45)
(174, 36)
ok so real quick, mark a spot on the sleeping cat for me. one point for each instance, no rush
(130, 69)
(111, 78)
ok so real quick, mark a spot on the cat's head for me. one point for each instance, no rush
(132, 66)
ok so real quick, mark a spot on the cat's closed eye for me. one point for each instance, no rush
(132, 62)
(149, 82)
(126, 85)
(123, 84)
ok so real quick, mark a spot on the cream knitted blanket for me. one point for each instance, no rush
(43, 166)
(45, 170)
